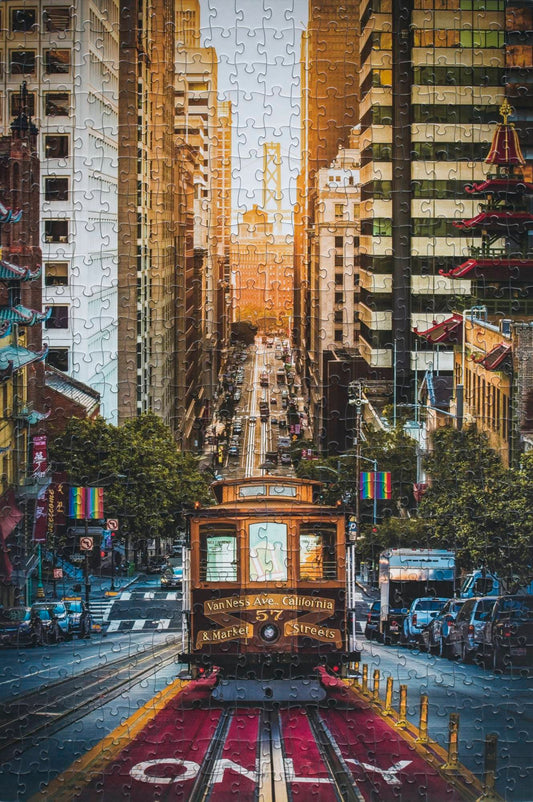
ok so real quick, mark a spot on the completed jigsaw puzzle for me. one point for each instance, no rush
(266, 384)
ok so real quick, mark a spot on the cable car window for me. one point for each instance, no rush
(252, 490)
(318, 558)
(218, 553)
(268, 552)
(282, 490)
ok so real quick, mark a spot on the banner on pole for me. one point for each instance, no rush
(86, 502)
(375, 484)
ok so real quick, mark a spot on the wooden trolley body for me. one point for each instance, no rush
(266, 592)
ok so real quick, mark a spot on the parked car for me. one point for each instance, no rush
(372, 621)
(419, 615)
(156, 564)
(252, 419)
(508, 637)
(80, 621)
(172, 577)
(436, 636)
(233, 451)
(54, 620)
(467, 636)
(15, 627)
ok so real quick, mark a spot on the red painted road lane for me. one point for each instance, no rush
(162, 761)
(306, 773)
(235, 774)
(382, 762)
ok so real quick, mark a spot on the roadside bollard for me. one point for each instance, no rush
(375, 687)
(423, 724)
(387, 710)
(489, 780)
(356, 671)
(452, 764)
(364, 683)
(402, 713)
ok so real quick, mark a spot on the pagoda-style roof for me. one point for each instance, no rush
(497, 220)
(496, 357)
(448, 331)
(488, 268)
(11, 272)
(8, 215)
(505, 147)
(24, 316)
(15, 357)
(502, 186)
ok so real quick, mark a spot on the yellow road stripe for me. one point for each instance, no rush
(66, 786)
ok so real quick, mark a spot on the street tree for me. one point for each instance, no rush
(148, 482)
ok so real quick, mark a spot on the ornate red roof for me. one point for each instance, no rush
(504, 220)
(448, 331)
(489, 268)
(505, 186)
(494, 359)
(505, 147)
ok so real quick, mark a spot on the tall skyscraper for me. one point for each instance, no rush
(67, 54)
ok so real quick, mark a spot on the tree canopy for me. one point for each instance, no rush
(148, 482)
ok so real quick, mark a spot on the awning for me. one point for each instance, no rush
(449, 331)
(499, 269)
(497, 220)
(24, 316)
(10, 515)
(494, 359)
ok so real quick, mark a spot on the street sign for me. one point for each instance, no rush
(86, 543)
(112, 524)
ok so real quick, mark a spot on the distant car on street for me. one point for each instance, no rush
(156, 564)
(419, 616)
(172, 577)
(436, 636)
(468, 634)
(79, 618)
(54, 620)
(372, 621)
(252, 419)
(15, 626)
(233, 451)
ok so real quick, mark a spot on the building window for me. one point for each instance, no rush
(56, 146)
(339, 211)
(58, 319)
(339, 299)
(15, 105)
(56, 189)
(56, 230)
(56, 18)
(339, 279)
(57, 104)
(56, 61)
(56, 275)
(338, 335)
(22, 62)
(339, 260)
(58, 358)
(23, 20)
(339, 242)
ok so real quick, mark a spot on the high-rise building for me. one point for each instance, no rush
(197, 126)
(67, 54)
(329, 69)
(334, 288)
(147, 284)
(222, 204)
(432, 80)
(261, 273)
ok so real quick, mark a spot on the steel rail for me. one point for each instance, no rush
(343, 781)
(43, 707)
(203, 785)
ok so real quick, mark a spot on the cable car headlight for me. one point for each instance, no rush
(269, 633)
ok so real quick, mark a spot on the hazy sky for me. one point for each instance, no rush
(259, 71)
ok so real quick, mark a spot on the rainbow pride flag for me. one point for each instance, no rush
(375, 484)
(86, 502)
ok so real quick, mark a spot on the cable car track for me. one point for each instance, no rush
(48, 709)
